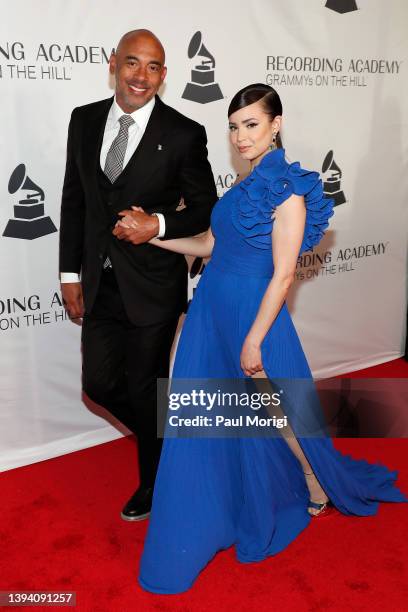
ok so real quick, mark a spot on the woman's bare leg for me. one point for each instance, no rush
(316, 491)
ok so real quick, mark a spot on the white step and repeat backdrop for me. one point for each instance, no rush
(341, 69)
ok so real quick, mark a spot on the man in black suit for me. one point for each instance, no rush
(131, 150)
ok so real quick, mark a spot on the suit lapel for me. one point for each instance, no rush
(94, 131)
(143, 160)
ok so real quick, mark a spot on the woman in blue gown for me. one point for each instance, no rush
(257, 493)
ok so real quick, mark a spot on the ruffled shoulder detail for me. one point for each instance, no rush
(272, 182)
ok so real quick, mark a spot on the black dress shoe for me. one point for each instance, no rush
(139, 505)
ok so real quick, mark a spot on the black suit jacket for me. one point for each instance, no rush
(152, 281)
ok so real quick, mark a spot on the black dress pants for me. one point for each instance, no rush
(121, 362)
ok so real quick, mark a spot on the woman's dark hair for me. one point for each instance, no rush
(250, 94)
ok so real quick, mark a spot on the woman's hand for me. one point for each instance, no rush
(251, 358)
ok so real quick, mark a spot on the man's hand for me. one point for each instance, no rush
(73, 299)
(137, 226)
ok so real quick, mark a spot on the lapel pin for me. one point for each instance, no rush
(159, 147)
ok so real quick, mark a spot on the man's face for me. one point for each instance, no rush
(139, 70)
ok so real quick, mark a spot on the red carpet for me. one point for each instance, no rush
(60, 530)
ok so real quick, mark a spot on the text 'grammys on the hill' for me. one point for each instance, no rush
(307, 71)
(30, 311)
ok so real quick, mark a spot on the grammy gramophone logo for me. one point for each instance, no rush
(29, 220)
(332, 181)
(202, 87)
(342, 6)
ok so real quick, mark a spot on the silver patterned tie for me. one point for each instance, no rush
(117, 150)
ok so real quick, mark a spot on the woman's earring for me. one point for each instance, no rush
(273, 144)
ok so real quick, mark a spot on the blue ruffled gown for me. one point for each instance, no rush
(212, 493)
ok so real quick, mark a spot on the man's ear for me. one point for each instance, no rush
(112, 63)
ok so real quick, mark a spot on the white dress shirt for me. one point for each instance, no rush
(141, 118)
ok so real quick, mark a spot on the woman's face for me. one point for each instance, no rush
(252, 131)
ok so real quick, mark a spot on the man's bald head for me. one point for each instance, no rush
(138, 66)
(141, 34)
